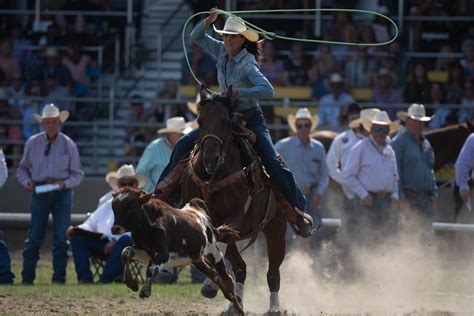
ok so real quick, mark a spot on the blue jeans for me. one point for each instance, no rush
(84, 247)
(59, 204)
(280, 176)
(6, 275)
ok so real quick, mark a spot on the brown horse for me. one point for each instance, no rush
(217, 173)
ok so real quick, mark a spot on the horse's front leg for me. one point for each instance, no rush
(276, 247)
(127, 254)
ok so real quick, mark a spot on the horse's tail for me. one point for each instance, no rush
(226, 233)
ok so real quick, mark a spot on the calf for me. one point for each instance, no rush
(172, 237)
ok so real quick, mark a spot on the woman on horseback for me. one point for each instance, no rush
(237, 66)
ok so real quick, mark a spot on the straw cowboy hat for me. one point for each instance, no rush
(125, 171)
(365, 115)
(415, 112)
(193, 106)
(303, 113)
(234, 26)
(380, 118)
(174, 125)
(51, 111)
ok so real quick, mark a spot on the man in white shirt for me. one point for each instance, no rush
(94, 236)
(3, 169)
(371, 173)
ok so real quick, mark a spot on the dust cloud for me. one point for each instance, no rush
(410, 273)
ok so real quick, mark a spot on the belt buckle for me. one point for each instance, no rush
(50, 180)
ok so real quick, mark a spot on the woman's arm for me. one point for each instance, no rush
(208, 43)
(261, 87)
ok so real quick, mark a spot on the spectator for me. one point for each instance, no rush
(56, 93)
(94, 236)
(371, 173)
(52, 36)
(320, 72)
(381, 26)
(168, 108)
(443, 114)
(77, 64)
(456, 80)
(19, 46)
(203, 66)
(331, 104)
(34, 90)
(468, 61)
(16, 93)
(6, 274)
(3, 169)
(136, 115)
(360, 70)
(10, 132)
(385, 93)
(306, 158)
(9, 63)
(53, 68)
(415, 160)
(464, 168)
(467, 104)
(442, 63)
(341, 30)
(145, 135)
(157, 154)
(296, 68)
(271, 67)
(418, 87)
(44, 162)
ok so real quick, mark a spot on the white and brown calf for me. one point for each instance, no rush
(172, 237)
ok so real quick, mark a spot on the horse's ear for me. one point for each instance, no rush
(203, 92)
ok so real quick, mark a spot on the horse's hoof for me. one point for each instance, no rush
(145, 292)
(164, 277)
(132, 285)
(232, 310)
(208, 291)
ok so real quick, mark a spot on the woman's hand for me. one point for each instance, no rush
(211, 18)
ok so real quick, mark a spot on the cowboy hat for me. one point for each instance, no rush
(193, 106)
(51, 111)
(380, 118)
(174, 125)
(234, 26)
(303, 113)
(386, 72)
(415, 112)
(125, 171)
(365, 114)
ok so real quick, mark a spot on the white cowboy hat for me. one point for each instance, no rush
(415, 112)
(51, 111)
(380, 118)
(193, 106)
(365, 115)
(125, 171)
(234, 26)
(336, 78)
(174, 125)
(303, 113)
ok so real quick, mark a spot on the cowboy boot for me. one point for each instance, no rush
(300, 222)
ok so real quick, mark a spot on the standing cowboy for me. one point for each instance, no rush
(415, 161)
(50, 157)
(306, 158)
(465, 170)
(371, 173)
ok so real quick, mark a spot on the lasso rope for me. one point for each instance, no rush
(272, 36)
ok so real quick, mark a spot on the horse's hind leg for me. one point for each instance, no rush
(239, 267)
(276, 247)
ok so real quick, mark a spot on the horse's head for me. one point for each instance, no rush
(214, 128)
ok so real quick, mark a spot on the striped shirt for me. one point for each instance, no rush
(62, 162)
(153, 161)
(415, 164)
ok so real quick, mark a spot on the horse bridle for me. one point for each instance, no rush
(223, 145)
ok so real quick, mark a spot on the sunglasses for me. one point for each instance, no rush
(383, 130)
(47, 149)
(300, 126)
(126, 184)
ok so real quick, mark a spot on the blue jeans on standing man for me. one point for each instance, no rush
(6, 275)
(59, 204)
(280, 176)
(83, 247)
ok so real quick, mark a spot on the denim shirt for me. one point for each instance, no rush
(242, 71)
